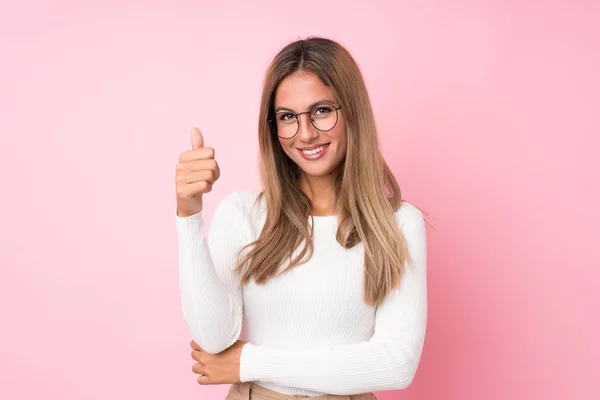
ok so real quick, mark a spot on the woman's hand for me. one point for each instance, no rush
(197, 171)
(215, 369)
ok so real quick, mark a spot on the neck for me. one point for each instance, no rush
(321, 192)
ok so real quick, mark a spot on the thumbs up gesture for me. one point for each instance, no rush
(197, 171)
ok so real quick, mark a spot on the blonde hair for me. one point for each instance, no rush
(367, 194)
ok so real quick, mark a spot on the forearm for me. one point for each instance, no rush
(211, 312)
(373, 365)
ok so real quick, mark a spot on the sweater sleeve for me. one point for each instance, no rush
(211, 297)
(387, 361)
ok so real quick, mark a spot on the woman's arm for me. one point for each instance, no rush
(387, 361)
(211, 297)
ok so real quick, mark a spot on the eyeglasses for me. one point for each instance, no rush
(323, 116)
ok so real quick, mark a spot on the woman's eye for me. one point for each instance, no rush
(285, 117)
(322, 110)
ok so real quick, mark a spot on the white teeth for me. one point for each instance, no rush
(314, 151)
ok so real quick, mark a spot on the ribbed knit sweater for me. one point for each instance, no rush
(309, 331)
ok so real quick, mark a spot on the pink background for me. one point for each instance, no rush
(488, 113)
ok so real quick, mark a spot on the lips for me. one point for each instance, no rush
(314, 152)
(313, 146)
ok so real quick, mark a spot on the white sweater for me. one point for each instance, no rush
(309, 331)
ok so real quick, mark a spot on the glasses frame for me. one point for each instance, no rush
(272, 121)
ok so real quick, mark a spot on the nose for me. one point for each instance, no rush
(306, 131)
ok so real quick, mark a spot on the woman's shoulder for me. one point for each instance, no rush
(408, 215)
(244, 202)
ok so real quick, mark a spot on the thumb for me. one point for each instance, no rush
(197, 139)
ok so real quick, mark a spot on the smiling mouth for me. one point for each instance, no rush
(316, 150)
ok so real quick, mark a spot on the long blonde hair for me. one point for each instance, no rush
(367, 193)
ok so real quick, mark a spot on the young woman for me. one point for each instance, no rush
(326, 266)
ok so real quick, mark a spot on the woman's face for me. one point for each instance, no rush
(316, 152)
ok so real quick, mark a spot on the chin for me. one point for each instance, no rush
(317, 171)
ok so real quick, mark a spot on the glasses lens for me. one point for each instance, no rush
(324, 117)
(287, 124)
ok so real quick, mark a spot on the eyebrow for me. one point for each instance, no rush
(309, 107)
